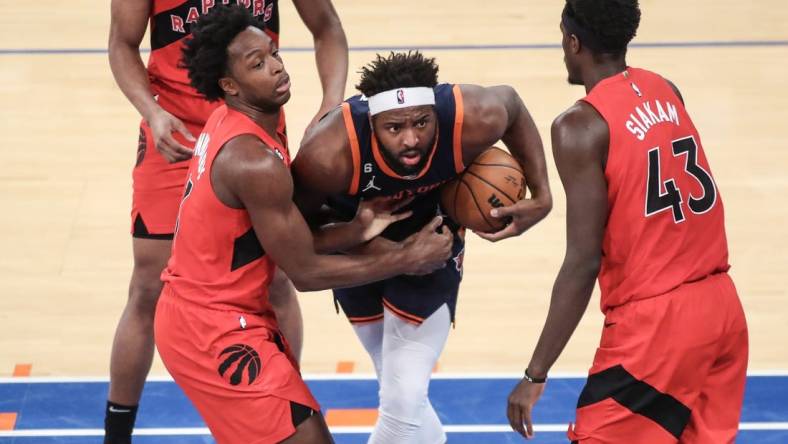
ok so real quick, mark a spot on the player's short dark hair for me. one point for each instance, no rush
(398, 70)
(205, 53)
(613, 22)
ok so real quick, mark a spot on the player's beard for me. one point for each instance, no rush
(396, 164)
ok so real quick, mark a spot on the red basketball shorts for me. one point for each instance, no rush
(668, 369)
(157, 186)
(237, 371)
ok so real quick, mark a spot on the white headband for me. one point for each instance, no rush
(400, 98)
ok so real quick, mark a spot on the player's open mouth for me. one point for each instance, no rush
(283, 85)
(410, 158)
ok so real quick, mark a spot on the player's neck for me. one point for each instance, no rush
(266, 118)
(600, 71)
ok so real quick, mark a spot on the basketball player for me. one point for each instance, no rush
(173, 115)
(644, 215)
(404, 137)
(214, 327)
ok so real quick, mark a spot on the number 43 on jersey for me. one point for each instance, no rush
(665, 195)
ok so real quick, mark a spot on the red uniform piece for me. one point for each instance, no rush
(672, 361)
(215, 329)
(157, 183)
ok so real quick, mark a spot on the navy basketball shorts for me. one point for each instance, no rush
(412, 298)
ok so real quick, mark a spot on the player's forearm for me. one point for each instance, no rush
(331, 54)
(338, 271)
(132, 78)
(378, 245)
(336, 237)
(571, 293)
(342, 271)
(524, 142)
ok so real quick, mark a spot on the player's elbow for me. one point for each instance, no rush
(509, 95)
(593, 266)
(583, 267)
(116, 38)
(304, 283)
(310, 280)
(329, 28)
(588, 268)
(112, 44)
(119, 49)
(334, 26)
(307, 273)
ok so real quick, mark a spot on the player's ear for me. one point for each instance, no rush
(228, 86)
(574, 44)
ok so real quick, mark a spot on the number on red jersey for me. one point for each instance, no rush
(658, 200)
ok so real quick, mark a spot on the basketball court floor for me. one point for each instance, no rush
(470, 406)
(68, 143)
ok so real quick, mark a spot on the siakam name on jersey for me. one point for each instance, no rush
(649, 114)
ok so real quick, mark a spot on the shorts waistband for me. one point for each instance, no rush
(709, 279)
(174, 297)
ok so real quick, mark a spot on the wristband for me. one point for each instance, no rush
(533, 380)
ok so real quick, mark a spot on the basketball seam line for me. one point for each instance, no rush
(497, 165)
(473, 197)
(488, 183)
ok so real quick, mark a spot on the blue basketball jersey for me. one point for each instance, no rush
(372, 177)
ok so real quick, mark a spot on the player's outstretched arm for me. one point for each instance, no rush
(498, 113)
(331, 51)
(247, 175)
(127, 28)
(580, 140)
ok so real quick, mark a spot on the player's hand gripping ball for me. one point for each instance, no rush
(494, 179)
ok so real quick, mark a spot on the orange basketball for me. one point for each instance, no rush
(494, 179)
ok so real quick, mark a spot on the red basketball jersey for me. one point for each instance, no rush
(217, 261)
(665, 222)
(170, 24)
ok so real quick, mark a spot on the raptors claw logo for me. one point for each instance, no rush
(458, 260)
(142, 145)
(247, 359)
